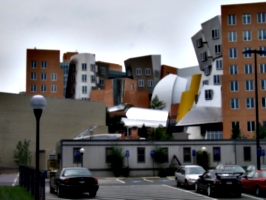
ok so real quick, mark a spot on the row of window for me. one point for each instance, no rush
(141, 83)
(248, 69)
(235, 102)
(246, 18)
(249, 85)
(233, 52)
(247, 35)
(43, 88)
(33, 76)
(34, 64)
(139, 71)
(187, 154)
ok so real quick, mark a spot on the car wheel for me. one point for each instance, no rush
(51, 190)
(178, 183)
(209, 191)
(93, 193)
(186, 184)
(258, 191)
(197, 188)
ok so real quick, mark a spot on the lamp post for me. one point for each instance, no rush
(82, 150)
(255, 52)
(38, 103)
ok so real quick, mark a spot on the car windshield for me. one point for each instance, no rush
(76, 172)
(234, 168)
(195, 170)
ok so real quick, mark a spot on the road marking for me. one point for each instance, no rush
(14, 183)
(252, 197)
(120, 180)
(189, 192)
(147, 180)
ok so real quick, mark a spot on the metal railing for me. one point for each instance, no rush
(27, 180)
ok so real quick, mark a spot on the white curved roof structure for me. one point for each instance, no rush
(170, 89)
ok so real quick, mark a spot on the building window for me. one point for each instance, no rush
(208, 94)
(102, 70)
(235, 125)
(232, 53)
(219, 64)
(33, 76)
(207, 70)
(263, 84)
(138, 71)
(262, 34)
(218, 49)
(233, 86)
(232, 36)
(187, 154)
(53, 76)
(73, 78)
(33, 64)
(233, 69)
(246, 19)
(262, 49)
(205, 82)
(231, 19)
(248, 69)
(93, 68)
(234, 103)
(43, 64)
(216, 154)
(43, 76)
(249, 103)
(247, 153)
(157, 73)
(247, 35)
(250, 126)
(141, 83)
(199, 42)
(263, 102)
(147, 72)
(247, 55)
(249, 85)
(131, 86)
(101, 82)
(33, 88)
(84, 78)
(93, 79)
(76, 155)
(203, 56)
(84, 66)
(261, 17)
(217, 79)
(141, 155)
(150, 83)
(215, 34)
(84, 89)
(53, 88)
(43, 88)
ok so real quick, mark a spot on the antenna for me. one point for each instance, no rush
(82, 134)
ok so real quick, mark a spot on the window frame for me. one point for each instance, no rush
(234, 103)
(234, 86)
(187, 154)
(246, 153)
(141, 155)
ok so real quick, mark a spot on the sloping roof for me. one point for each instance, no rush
(201, 115)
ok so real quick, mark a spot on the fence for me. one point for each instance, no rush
(27, 180)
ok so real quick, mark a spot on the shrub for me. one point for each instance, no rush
(116, 162)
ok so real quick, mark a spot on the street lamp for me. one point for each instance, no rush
(82, 150)
(38, 103)
(255, 52)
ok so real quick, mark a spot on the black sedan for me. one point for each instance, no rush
(216, 182)
(73, 180)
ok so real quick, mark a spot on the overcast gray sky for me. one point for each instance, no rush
(114, 30)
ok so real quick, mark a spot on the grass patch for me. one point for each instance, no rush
(14, 193)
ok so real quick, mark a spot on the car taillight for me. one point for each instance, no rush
(217, 182)
(96, 181)
(66, 180)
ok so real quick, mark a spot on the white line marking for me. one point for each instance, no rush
(120, 180)
(147, 180)
(189, 192)
(251, 197)
(15, 180)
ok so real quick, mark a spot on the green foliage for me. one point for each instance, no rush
(143, 132)
(115, 124)
(262, 132)
(236, 132)
(157, 104)
(22, 154)
(160, 134)
(14, 193)
(159, 154)
(203, 159)
(117, 159)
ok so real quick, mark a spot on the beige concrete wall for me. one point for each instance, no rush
(61, 119)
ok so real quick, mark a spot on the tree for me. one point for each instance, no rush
(157, 104)
(236, 132)
(262, 131)
(143, 132)
(160, 134)
(22, 154)
(116, 161)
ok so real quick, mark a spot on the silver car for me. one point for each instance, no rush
(188, 174)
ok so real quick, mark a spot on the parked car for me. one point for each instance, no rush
(187, 175)
(229, 167)
(215, 182)
(73, 180)
(255, 181)
(254, 167)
